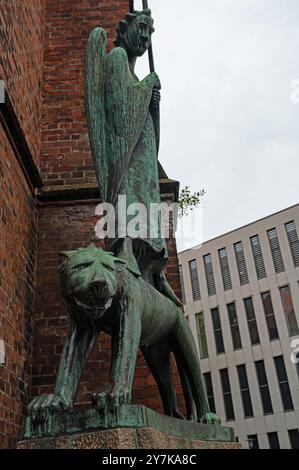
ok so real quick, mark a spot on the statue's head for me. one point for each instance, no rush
(88, 280)
(135, 31)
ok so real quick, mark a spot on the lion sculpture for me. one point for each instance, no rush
(104, 296)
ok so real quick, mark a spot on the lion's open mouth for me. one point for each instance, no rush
(94, 304)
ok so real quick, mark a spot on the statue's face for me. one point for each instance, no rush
(90, 282)
(137, 38)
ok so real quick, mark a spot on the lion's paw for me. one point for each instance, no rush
(211, 418)
(119, 397)
(177, 414)
(99, 400)
(111, 400)
(40, 407)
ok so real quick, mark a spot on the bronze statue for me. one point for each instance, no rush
(124, 131)
(104, 296)
(124, 292)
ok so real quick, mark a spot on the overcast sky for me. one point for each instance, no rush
(228, 123)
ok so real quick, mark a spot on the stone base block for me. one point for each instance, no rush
(130, 427)
(121, 438)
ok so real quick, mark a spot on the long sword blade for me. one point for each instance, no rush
(152, 69)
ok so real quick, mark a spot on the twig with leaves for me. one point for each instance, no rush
(189, 201)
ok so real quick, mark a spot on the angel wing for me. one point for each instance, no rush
(117, 107)
(94, 104)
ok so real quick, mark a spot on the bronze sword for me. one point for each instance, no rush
(152, 69)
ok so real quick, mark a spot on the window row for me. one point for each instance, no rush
(278, 262)
(244, 388)
(273, 440)
(290, 316)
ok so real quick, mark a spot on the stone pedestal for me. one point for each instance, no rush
(131, 427)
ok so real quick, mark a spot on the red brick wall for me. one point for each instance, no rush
(172, 267)
(66, 156)
(66, 227)
(21, 58)
(57, 92)
(18, 222)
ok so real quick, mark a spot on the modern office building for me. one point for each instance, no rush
(241, 296)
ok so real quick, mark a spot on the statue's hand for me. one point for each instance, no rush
(156, 97)
(40, 407)
(156, 80)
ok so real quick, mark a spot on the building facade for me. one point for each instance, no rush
(241, 296)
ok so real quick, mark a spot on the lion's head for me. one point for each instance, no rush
(88, 279)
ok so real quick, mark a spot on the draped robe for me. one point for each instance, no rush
(124, 144)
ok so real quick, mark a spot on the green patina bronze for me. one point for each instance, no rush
(122, 292)
(123, 120)
(105, 296)
(127, 416)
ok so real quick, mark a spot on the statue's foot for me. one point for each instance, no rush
(210, 418)
(40, 407)
(177, 414)
(111, 400)
(165, 289)
(99, 400)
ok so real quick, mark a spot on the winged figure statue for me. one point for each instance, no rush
(124, 135)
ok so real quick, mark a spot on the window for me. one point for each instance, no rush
(245, 392)
(297, 364)
(270, 317)
(251, 320)
(241, 263)
(293, 241)
(234, 326)
(217, 330)
(225, 272)
(209, 274)
(294, 438)
(258, 257)
(253, 442)
(201, 333)
(210, 393)
(283, 383)
(182, 285)
(275, 250)
(194, 280)
(289, 311)
(227, 396)
(264, 387)
(273, 440)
